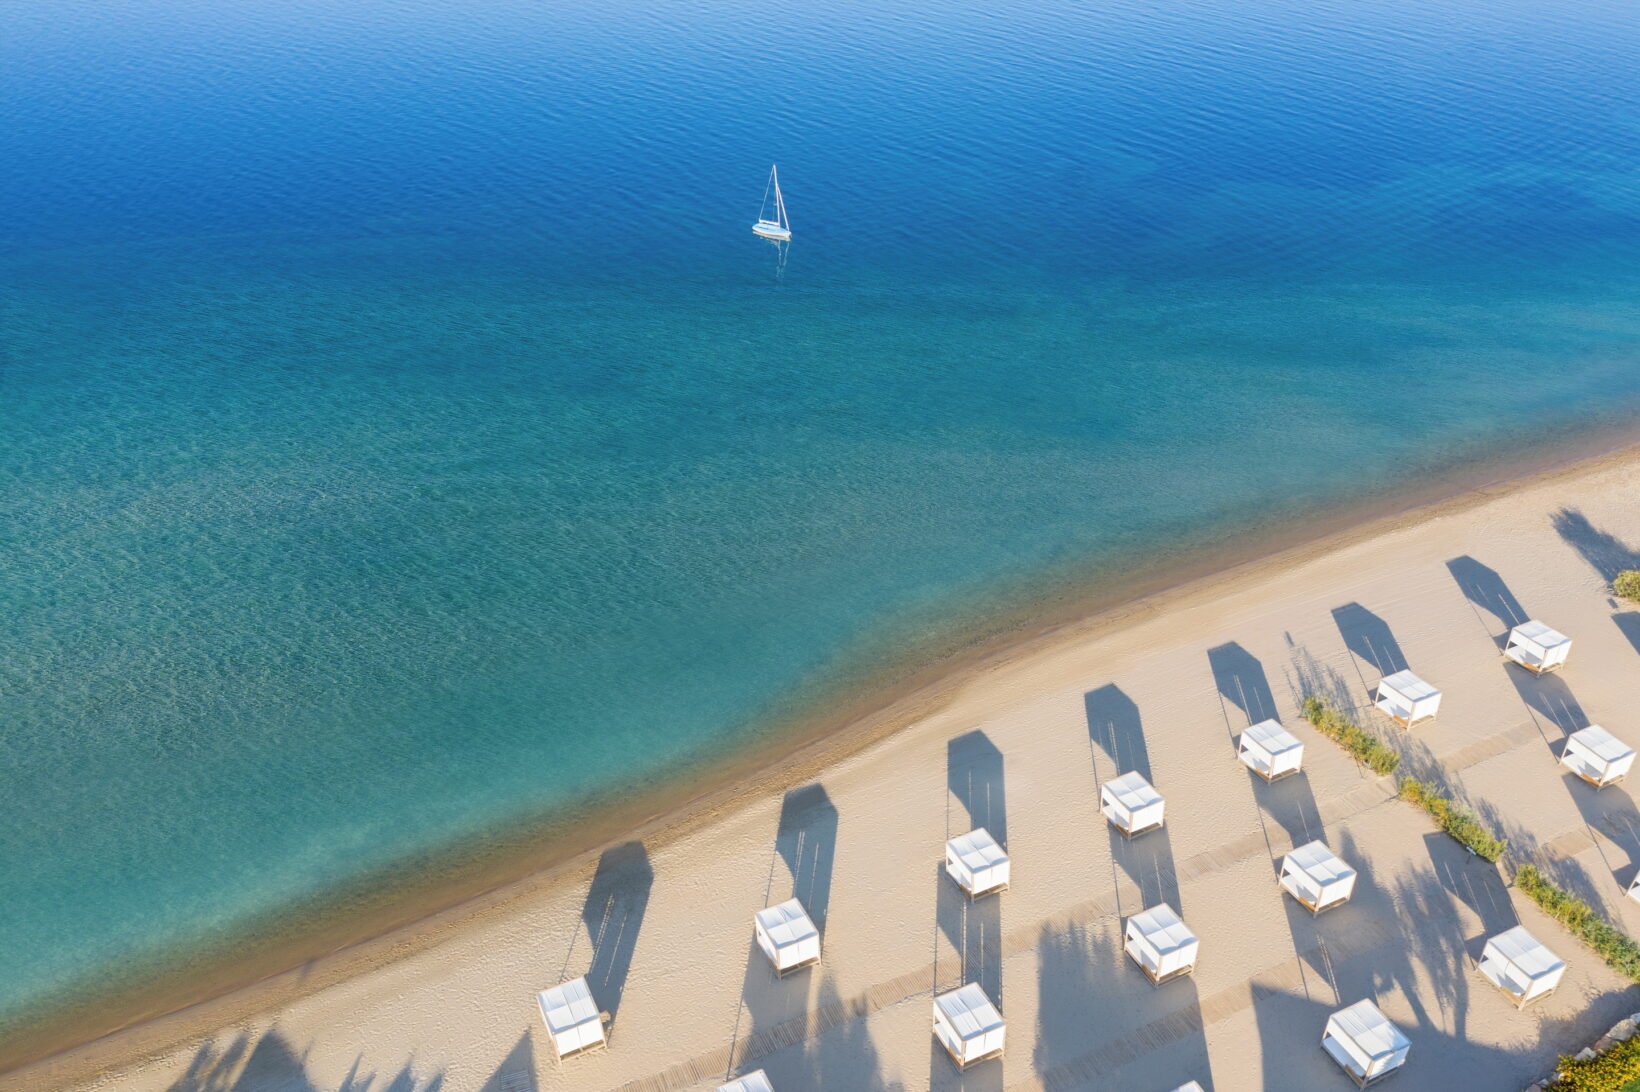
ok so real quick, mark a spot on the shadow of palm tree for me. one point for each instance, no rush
(1607, 554)
(1309, 676)
(271, 1064)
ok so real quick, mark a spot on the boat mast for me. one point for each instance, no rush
(779, 201)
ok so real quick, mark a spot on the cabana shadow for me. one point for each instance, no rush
(613, 914)
(1483, 587)
(1369, 638)
(806, 841)
(975, 776)
(1242, 682)
(1116, 728)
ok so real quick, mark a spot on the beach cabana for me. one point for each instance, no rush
(756, 1081)
(1363, 1041)
(1317, 877)
(977, 863)
(1131, 805)
(1516, 963)
(968, 1026)
(573, 1021)
(1161, 944)
(1271, 751)
(1407, 699)
(1193, 1086)
(1536, 647)
(787, 936)
(1597, 756)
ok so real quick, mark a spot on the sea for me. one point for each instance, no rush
(404, 436)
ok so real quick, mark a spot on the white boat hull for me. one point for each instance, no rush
(771, 231)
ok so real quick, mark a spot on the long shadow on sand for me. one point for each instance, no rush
(805, 850)
(1483, 587)
(806, 840)
(975, 776)
(271, 1064)
(1243, 684)
(1369, 638)
(1607, 554)
(613, 915)
(1132, 1015)
(1116, 729)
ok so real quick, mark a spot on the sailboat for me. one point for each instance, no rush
(780, 228)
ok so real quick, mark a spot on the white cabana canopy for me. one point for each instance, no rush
(1516, 963)
(1131, 805)
(756, 1081)
(1634, 888)
(1597, 756)
(1271, 751)
(1536, 647)
(977, 863)
(1363, 1041)
(1160, 943)
(967, 1025)
(573, 1021)
(1193, 1086)
(1317, 877)
(787, 936)
(1407, 699)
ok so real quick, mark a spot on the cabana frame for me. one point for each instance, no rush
(1597, 756)
(755, 1081)
(978, 864)
(1160, 944)
(1131, 804)
(787, 936)
(1406, 699)
(968, 1025)
(1538, 648)
(574, 1024)
(1317, 877)
(1271, 751)
(1364, 1043)
(1520, 967)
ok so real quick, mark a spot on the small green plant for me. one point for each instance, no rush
(1452, 817)
(1614, 1071)
(1627, 584)
(1339, 727)
(1613, 945)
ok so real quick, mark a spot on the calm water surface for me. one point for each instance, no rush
(401, 430)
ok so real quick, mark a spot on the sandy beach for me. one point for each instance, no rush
(1019, 743)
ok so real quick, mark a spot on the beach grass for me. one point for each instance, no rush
(1341, 728)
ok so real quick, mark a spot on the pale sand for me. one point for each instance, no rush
(1166, 685)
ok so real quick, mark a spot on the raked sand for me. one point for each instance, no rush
(1020, 745)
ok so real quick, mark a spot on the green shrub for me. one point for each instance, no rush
(1613, 945)
(1451, 817)
(1338, 726)
(1613, 1071)
(1627, 584)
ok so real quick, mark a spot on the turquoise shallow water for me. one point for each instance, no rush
(402, 432)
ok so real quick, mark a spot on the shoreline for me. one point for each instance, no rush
(310, 955)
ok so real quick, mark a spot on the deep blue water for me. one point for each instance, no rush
(402, 432)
